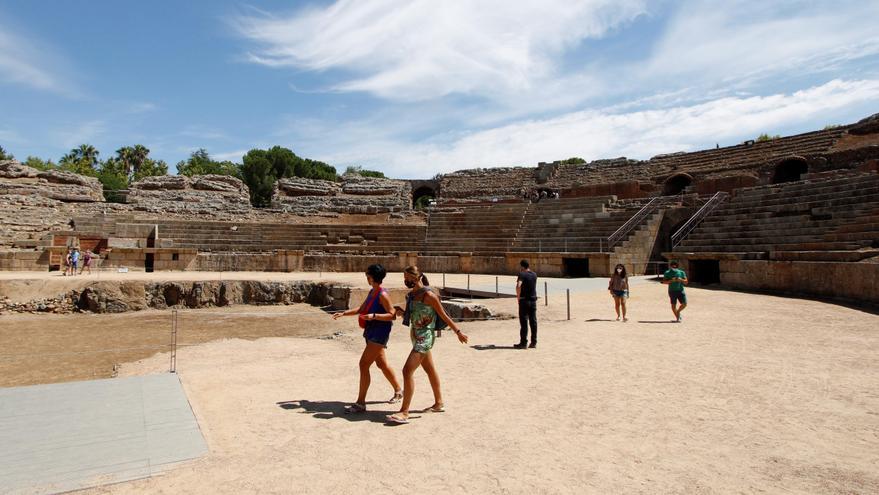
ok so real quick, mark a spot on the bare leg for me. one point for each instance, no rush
(674, 310)
(370, 353)
(616, 306)
(382, 362)
(428, 366)
(681, 308)
(623, 305)
(412, 364)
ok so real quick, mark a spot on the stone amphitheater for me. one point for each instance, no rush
(796, 214)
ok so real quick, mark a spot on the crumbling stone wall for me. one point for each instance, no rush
(18, 179)
(201, 194)
(354, 194)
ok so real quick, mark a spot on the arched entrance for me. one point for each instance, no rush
(676, 184)
(789, 170)
(422, 196)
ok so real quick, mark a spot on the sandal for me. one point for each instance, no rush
(355, 408)
(397, 419)
(436, 408)
(398, 396)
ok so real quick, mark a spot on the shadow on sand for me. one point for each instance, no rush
(656, 321)
(335, 409)
(592, 320)
(492, 347)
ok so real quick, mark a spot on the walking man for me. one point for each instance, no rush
(526, 294)
(676, 279)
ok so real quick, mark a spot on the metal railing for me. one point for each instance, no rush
(707, 208)
(635, 220)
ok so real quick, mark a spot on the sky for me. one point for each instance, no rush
(420, 87)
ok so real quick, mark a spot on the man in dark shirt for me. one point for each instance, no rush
(526, 294)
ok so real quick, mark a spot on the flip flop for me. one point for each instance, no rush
(397, 420)
(355, 408)
(435, 409)
(398, 396)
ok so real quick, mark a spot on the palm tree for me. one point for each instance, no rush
(88, 154)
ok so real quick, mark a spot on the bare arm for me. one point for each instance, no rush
(431, 299)
(518, 288)
(351, 311)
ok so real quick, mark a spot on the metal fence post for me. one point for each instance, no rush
(173, 366)
(545, 294)
(569, 303)
(497, 291)
(444, 280)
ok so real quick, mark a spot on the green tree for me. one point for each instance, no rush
(5, 155)
(576, 160)
(82, 160)
(40, 164)
(766, 137)
(201, 163)
(358, 170)
(113, 178)
(261, 168)
(257, 172)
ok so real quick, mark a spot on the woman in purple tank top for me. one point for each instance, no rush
(378, 315)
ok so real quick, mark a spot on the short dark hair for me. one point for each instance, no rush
(673, 263)
(524, 264)
(377, 272)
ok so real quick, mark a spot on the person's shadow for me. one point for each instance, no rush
(657, 321)
(335, 409)
(492, 347)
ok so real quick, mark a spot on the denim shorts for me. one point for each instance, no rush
(619, 293)
(378, 336)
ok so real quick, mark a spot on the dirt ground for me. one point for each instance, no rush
(749, 394)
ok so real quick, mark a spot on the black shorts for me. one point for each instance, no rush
(677, 296)
(378, 336)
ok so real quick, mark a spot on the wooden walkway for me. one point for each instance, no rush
(67, 436)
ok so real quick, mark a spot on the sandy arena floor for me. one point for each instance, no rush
(750, 394)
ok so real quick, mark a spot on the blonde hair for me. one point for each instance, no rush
(414, 270)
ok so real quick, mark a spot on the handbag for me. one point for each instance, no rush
(361, 318)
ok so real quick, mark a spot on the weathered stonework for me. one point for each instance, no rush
(354, 194)
(203, 194)
(19, 179)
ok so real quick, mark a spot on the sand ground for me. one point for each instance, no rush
(751, 394)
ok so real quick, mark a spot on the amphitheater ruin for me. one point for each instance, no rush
(793, 214)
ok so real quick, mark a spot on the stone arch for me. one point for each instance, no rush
(790, 170)
(422, 192)
(676, 184)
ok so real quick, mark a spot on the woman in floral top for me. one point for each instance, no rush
(424, 309)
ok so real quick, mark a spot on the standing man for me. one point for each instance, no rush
(526, 294)
(676, 279)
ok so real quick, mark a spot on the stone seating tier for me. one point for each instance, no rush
(837, 214)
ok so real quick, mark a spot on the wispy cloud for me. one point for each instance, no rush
(594, 134)
(747, 40)
(415, 50)
(77, 133)
(26, 61)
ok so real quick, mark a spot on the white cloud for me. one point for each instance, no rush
(594, 134)
(745, 40)
(414, 50)
(77, 133)
(25, 61)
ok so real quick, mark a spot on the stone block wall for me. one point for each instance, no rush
(857, 282)
(198, 195)
(354, 194)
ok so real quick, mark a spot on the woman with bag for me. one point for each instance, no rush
(619, 289)
(375, 316)
(424, 310)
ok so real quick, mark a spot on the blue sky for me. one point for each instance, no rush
(419, 87)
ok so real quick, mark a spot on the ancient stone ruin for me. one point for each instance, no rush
(354, 195)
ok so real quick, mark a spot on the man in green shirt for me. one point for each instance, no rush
(676, 279)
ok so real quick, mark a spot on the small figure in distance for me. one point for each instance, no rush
(68, 261)
(86, 262)
(676, 279)
(619, 289)
(526, 294)
(376, 315)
